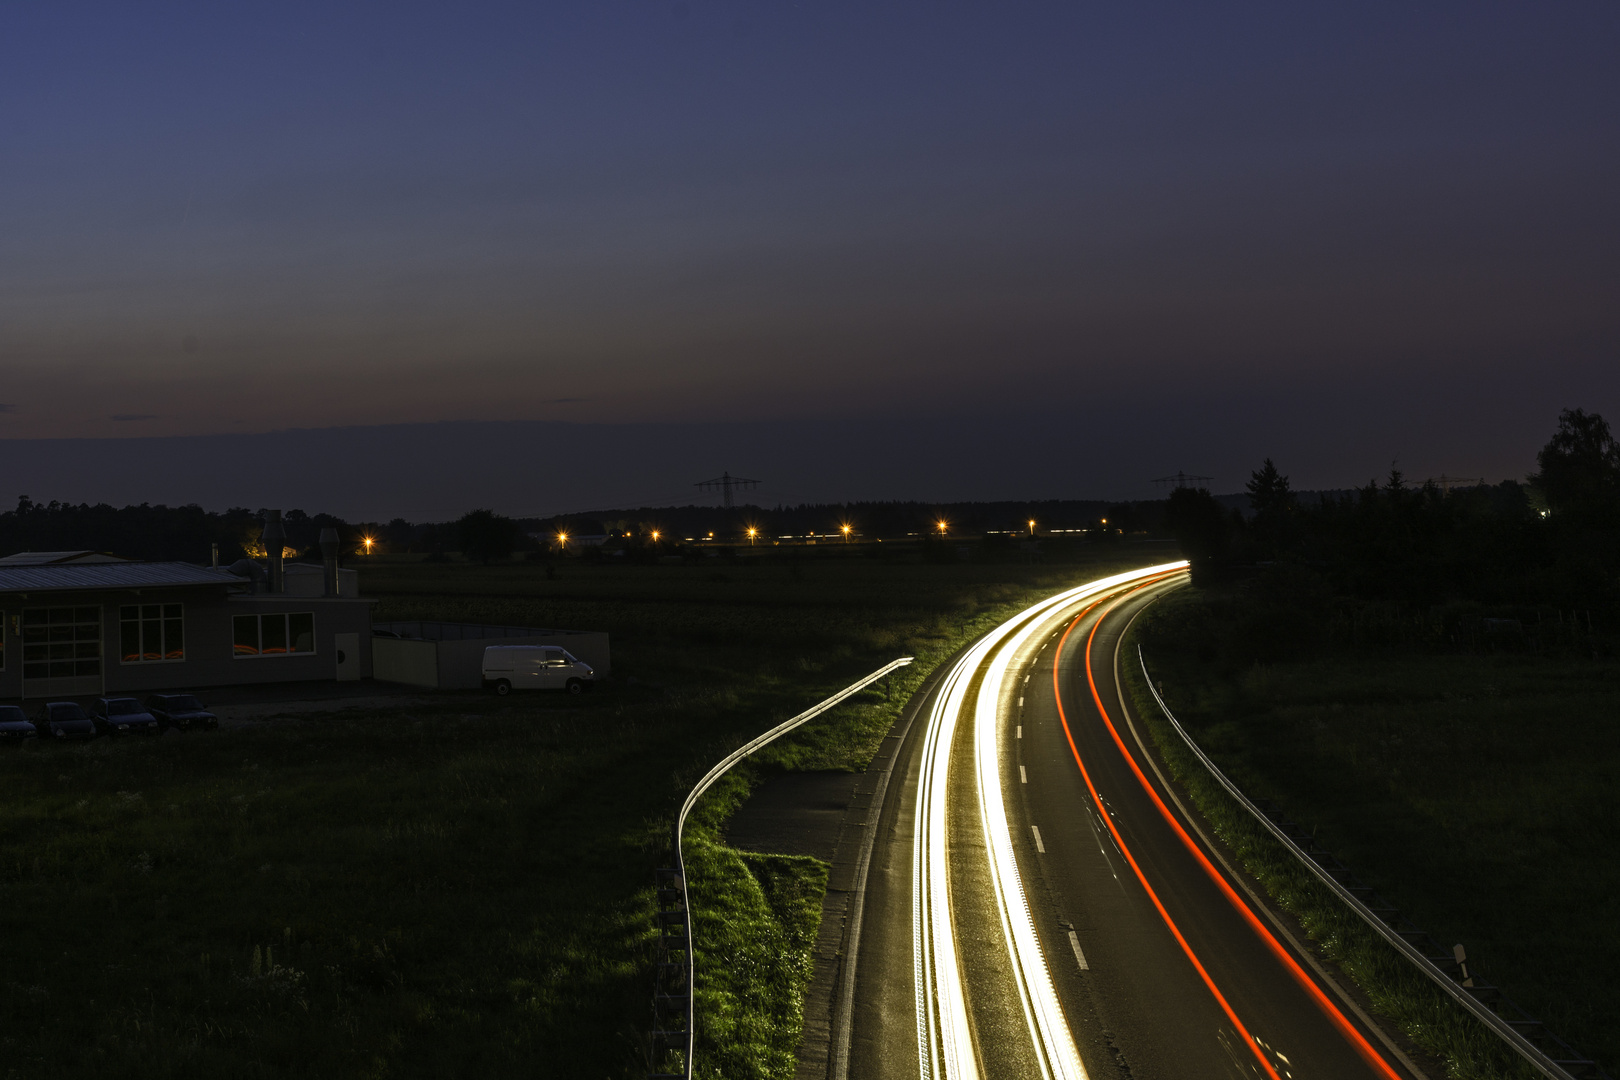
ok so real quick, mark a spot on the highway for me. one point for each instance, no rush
(1039, 904)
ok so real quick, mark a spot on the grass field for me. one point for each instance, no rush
(462, 887)
(1475, 792)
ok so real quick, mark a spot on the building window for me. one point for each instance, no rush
(61, 642)
(273, 635)
(148, 633)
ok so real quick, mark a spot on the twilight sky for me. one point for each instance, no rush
(1332, 236)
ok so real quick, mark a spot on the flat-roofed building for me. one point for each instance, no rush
(84, 626)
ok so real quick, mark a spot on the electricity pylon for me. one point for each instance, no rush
(1181, 480)
(1446, 483)
(724, 483)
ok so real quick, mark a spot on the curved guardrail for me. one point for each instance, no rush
(673, 994)
(1463, 992)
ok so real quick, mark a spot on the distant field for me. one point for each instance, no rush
(1476, 792)
(463, 888)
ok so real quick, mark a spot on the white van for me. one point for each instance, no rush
(535, 667)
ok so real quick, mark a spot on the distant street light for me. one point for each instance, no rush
(941, 525)
(845, 528)
(562, 539)
(752, 532)
(368, 542)
(1032, 526)
(655, 535)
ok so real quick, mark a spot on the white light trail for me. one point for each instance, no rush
(944, 1038)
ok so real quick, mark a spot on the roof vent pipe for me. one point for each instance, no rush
(329, 559)
(274, 539)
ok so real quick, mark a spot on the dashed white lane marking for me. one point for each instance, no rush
(1040, 847)
(1020, 701)
(1020, 731)
(1026, 680)
(1022, 778)
(1074, 942)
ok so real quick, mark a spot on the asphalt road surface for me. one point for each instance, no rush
(1040, 905)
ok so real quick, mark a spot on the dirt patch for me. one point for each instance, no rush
(794, 813)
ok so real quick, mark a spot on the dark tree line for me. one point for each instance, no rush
(187, 533)
(1393, 551)
(160, 532)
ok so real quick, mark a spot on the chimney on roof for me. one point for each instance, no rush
(274, 538)
(329, 559)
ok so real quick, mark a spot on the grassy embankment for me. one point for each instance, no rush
(1475, 792)
(461, 884)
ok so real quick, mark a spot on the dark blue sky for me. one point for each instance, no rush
(233, 219)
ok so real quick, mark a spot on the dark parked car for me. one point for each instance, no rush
(124, 716)
(65, 720)
(14, 725)
(182, 712)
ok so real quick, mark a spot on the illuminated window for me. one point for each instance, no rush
(61, 642)
(273, 635)
(150, 633)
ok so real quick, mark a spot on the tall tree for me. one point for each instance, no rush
(1202, 529)
(1272, 501)
(1268, 490)
(1580, 465)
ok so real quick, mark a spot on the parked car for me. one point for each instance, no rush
(14, 725)
(123, 716)
(183, 712)
(535, 667)
(65, 720)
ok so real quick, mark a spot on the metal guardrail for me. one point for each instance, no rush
(1480, 999)
(675, 977)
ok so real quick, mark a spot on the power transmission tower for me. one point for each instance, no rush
(1181, 480)
(1446, 483)
(724, 483)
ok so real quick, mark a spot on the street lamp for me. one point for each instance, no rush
(1032, 526)
(562, 539)
(367, 541)
(752, 532)
(655, 535)
(941, 525)
(845, 529)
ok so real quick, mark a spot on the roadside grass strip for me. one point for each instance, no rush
(1421, 1010)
